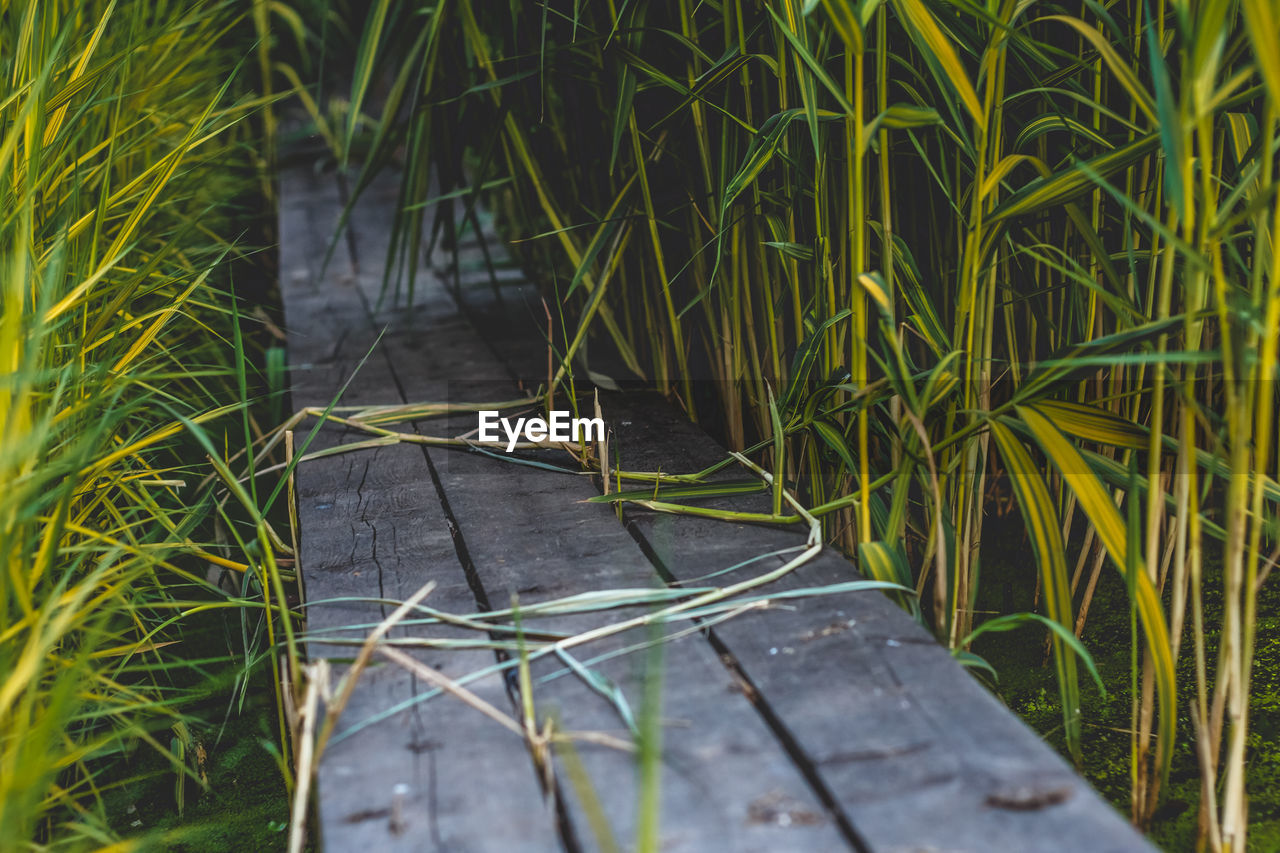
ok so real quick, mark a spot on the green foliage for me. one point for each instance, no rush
(121, 146)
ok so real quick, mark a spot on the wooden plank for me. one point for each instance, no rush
(928, 738)
(445, 753)
(726, 782)
(893, 726)
(372, 527)
(834, 723)
(722, 767)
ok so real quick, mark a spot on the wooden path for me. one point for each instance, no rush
(832, 723)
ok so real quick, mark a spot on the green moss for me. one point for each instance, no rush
(244, 807)
(1027, 685)
(231, 740)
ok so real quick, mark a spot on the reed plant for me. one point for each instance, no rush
(924, 260)
(123, 156)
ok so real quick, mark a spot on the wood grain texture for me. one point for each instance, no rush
(726, 783)
(372, 528)
(917, 753)
(833, 723)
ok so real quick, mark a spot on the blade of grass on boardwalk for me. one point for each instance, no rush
(718, 489)
(704, 617)
(722, 615)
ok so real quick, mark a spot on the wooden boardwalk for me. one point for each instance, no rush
(832, 723)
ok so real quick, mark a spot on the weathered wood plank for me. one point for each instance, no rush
(891, 723)
(721, 764)
(726, 782)
(372, 527)
(833, 723)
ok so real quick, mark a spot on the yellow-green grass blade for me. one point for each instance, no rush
(1072, 182)
(844, 19)
(1123, 73)
(935, 44)
(1040, 517)
(1045, 124)
(1091, 423)
(1096, 502)
(366, 60)
(667, 493)
(1170, 118)
(886, 563)
(1264, 31)
(793, 30)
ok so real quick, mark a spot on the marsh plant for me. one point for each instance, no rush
(123, 154)
(959, 256)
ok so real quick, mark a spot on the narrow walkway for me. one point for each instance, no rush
(824, 723)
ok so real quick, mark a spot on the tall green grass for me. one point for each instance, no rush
(123, 150)
(977, 253)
